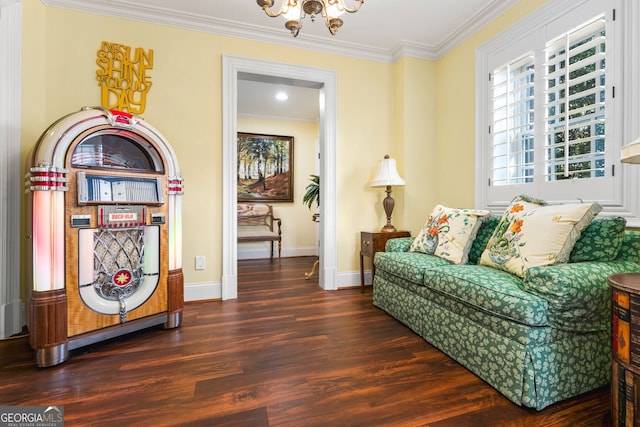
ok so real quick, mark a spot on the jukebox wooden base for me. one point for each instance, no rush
(175, 285)
(48, 327)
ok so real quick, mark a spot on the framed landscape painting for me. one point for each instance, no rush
(265, 168)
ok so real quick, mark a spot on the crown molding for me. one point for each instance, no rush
(130, 10)
(416, 50)
(487, 14)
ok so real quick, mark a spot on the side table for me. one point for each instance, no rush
(372, 242)
(625, 375)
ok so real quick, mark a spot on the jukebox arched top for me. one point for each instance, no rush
(98, 126)
(117, 149)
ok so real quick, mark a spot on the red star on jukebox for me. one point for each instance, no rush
(122, 278)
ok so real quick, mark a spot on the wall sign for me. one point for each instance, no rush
(123, 76)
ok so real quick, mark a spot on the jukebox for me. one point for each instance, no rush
(105, 231)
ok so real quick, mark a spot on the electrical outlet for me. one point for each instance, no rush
(199, 263)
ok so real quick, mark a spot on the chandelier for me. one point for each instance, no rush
(294, 11)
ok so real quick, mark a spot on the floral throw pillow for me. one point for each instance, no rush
(532, 234)
(449, 233)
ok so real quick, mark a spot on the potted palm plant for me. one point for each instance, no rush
(312, 194)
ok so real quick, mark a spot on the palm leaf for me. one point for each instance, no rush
(312, 193)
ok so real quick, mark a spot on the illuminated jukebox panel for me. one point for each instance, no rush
(105, 203)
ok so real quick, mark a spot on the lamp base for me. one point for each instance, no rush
(388, 204)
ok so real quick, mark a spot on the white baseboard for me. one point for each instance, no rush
(352, 279)
(259, 253)
(11, 318)
(213, 290)
(202, 291)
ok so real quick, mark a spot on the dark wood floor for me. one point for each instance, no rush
(285, 353)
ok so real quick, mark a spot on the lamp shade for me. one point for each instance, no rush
(387, 174)
(631, 152)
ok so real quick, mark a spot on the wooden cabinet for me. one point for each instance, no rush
(625, 375)
(372, 242)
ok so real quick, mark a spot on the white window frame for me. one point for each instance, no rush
(622, 126)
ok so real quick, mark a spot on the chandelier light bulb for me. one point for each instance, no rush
(292, 12)
(333, 10)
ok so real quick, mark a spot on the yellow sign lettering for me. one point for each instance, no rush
(123, 77)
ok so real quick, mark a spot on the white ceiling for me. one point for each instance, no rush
(382, 30)
(257, 98)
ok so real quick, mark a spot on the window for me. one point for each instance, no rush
(546, 123)
(513, 122)
(575, 101)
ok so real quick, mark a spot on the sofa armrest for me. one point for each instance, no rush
(399, 244)
(578, 294)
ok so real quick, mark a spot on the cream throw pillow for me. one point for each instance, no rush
(531, 234)
(449, 233)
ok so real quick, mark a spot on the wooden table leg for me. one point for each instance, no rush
(361, 273)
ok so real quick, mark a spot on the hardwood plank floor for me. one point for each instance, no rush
(285, 353)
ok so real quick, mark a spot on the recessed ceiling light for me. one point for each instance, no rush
(281, 96)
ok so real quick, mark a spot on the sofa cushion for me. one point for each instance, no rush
(524, 334)
(448, 233)
(495, 292)
(600, 241)
(531, 234)
(407, 265)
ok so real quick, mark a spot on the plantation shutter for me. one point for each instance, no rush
(512, 130)
(575, 104)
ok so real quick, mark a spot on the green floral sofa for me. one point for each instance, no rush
(538, 339)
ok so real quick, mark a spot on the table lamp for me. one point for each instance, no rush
(387, 177)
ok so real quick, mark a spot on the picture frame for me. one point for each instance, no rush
(264, 168)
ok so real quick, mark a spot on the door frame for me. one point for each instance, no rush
(232, 66)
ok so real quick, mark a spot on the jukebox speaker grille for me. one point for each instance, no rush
(118, 268)
(118, 261)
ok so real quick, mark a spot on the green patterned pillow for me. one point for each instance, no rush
(448, 233)
(630, 249)
(482, 238)
(600, 241)
(531, 234)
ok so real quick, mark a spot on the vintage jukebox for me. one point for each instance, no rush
(105, 197)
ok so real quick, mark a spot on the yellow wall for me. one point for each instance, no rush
(419, 112)
(298, 228)
(416, 143)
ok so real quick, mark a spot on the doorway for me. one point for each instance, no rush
(233, 68)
